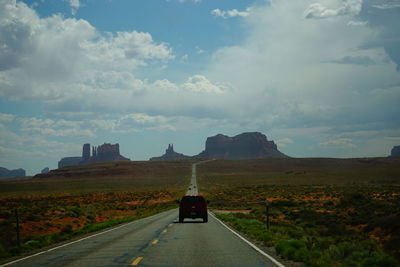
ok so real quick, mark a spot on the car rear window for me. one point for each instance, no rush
(192, 199)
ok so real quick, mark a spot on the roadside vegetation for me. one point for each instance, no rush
(336, 214)
(52, 210)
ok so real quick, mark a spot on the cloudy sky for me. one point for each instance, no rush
(319, 77)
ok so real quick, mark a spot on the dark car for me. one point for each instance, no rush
(193, 207)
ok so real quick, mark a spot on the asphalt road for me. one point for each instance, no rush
(193, 190)
(158, 240)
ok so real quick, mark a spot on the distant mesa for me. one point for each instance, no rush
(45, 170)
(170, 154)
(251, 145)
(69, 161)
(6, 173)
(395, 152)
(103, 153)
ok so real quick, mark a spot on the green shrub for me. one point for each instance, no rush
(284, 203)
(74, 211)
(379, 259)
(267, 239)
(67, 229)
(355, 199)
(29, 245)
(292, 249)
(3, 252)
(295, 233)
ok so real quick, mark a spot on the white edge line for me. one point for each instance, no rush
(249, 243)
(76, 241)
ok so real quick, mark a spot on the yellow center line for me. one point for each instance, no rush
(170, 225)
(155, 241)
(165, 230)
(137, 260)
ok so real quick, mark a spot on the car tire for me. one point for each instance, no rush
(205, 218)
(181, 219)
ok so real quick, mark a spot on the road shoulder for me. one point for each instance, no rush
(270, 251)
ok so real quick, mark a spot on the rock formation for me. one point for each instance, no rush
(250, 145)
(106, 152)
(103, 153)
(69, 161)
(45, 170)
(395, 152)
(86, 152)
(6, 173)
(170, 154)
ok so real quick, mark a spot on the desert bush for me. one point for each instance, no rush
(67, 229)
(391, 223)
(3, 252)
(292, 249)
(29, 245)
(284, 203)
(355, 199)
(73, 211)
(378, 259)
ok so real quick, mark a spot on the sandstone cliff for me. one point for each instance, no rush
(170, 154)
(6, 173)
(395, 152)
(45, 170)
(103, 153)
(69, 161)
(252, 145)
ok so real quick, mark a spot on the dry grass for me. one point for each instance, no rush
(75, 200)
(321, 204)
(104, 177)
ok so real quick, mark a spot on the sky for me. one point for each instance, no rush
(319, 77)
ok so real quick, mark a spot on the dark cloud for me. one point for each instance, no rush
(14, 44)
(385, 17)
(357, 60)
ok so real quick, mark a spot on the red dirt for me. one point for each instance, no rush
(232, 211)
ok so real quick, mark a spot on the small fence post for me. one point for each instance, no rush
(17, 226)
(267, 213)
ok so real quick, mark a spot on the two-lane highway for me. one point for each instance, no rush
(193, 190)
(158, 240)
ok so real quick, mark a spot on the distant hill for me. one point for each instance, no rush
(251, 145)
(124, 170)
(170, 154)
(6, 173)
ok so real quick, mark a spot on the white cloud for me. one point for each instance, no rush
(68, 65)
(185, 57)
(54, 128)
(387, 4)
(279, 68)
(103, 125)
(48, 59)
(141, 122)
(283, 142)
(31, 149)
(230, 13)
(283, 75)
(346, 7)
(392, 138)
(357, 23)
(194, 1)
(200, 84)
(75, 4)
(341, 142)
(199, 50)
(6, 151)
(6, 117)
